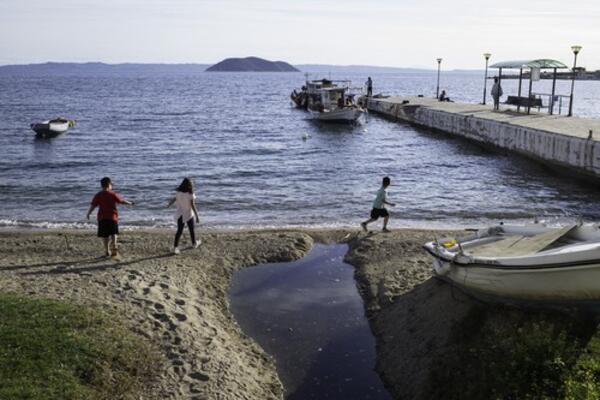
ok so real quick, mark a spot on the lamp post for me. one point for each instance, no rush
(487, 57)
(576, 49)
(437, 91)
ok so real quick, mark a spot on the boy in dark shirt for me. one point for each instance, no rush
(108, 217)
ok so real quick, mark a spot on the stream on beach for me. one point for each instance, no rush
(309, 316)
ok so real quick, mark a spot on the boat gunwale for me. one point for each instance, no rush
(488, 264)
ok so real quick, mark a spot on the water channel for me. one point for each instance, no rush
(309, 316)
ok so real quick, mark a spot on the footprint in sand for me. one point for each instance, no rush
(180, 317)
(199, 376)
(180, 302)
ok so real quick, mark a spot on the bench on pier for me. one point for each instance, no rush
(524, 101)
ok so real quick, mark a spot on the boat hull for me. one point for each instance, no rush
(569, 283)
(350, 114)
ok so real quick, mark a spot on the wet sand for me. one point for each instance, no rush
(180, 302)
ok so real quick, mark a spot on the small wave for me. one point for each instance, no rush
(180, 113)
(11, 223)
(6, 166)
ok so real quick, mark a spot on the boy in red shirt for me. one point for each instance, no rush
(108, 217)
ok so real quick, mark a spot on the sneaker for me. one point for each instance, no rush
(364, 226)
(385, 230)
(176, 250)
(198, 243)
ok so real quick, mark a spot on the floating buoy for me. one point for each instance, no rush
(305, 136)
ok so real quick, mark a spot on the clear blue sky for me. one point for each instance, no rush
(398, 33)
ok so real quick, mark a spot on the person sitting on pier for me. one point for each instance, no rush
(444, 97)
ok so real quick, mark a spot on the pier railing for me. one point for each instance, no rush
(551, 101)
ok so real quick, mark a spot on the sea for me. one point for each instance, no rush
(256, 161)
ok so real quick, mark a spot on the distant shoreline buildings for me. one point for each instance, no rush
(581, 74)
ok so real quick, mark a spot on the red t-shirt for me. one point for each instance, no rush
(106, 201)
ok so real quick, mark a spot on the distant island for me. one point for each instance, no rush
(251, 64)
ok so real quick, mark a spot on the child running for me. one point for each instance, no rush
(185, 200)
(379, 209)
(108, 217)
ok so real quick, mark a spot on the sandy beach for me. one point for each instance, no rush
(181, 302)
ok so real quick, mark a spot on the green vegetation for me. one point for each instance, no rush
(499, 353)
(53, 350)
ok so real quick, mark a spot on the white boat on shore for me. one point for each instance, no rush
(530, 262)
(53, 127)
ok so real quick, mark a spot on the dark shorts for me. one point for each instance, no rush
(107, 227)
(379, 212)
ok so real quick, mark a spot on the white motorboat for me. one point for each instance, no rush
(53, 127)
(530, 262)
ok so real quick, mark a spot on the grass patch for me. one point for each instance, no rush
(497, 353)
(54, 350)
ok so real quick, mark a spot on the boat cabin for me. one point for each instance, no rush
(333, 97)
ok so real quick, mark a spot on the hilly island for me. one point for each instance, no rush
(251, 64)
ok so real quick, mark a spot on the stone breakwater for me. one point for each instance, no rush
(569, 143)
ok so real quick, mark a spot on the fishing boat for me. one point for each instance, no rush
(335, 104)
(328, 100)
(528, 262)
(53, 127)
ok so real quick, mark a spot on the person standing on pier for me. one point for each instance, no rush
(369, 87)
(496, 93)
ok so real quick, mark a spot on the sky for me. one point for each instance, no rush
(397, 33)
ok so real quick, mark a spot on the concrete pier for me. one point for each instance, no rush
(559, 141)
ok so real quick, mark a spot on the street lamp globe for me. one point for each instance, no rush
(439, 60)
(487, 55)
(576, 49)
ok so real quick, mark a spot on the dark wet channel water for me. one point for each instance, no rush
(309, 316)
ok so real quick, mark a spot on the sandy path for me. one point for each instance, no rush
(180, 302)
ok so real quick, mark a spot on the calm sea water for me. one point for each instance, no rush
(240, 140)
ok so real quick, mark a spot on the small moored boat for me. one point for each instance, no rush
(53, 127)
(530, 262)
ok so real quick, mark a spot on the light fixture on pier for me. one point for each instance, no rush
(487, 57)
(576, 49)
(437, 91)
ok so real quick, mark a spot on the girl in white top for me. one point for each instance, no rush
(185, 200)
